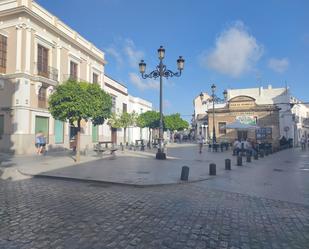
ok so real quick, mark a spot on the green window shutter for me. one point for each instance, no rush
(1, 125)
(41, 125)
(59, 131)
(95, 135)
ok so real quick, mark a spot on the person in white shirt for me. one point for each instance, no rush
(236, 147)
(303, 142)
(200, 141)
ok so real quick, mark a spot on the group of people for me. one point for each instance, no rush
(243, 146)
(40, 142)
(303, 141)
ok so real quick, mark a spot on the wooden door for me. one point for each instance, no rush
(114, 135)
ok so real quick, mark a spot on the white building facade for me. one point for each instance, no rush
(38, 52)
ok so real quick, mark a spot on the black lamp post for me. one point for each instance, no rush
(215, 99)
(161, 71)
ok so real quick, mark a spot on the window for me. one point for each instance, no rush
(113, 104)
(222, 129)
(42, 99)
(124, 107)
(73, 70)
(95, 78)
(1, 125)
(42, 61)
(3, 53)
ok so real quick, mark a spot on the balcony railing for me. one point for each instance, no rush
(47, 72)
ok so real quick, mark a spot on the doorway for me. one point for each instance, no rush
(242, 135)
(114, 135)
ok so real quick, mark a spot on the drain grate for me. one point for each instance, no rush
(278, 170)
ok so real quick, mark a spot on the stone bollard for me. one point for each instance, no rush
(256, 156)
(184, 173)
(212, 169)
(227, 164)
(239, 160)
(262, 153)
(122, 147)
(248, 158)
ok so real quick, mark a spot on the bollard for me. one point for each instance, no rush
(248, 158)
(262, 153)
(256, 156)
(239, 160)
(227, 164)
(212, 169)
(184, 173)
(122, 147)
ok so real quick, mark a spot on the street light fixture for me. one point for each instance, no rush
(215, 99)
(161, 71)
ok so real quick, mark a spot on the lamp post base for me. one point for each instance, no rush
(161, 155)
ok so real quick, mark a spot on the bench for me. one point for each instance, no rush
(100, 150)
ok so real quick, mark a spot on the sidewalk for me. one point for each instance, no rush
(129, 167)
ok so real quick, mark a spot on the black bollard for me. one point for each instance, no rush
(227, 164)
(212, 169)
(248, 158)
(256, 156)
(184, 173)
(239, 160)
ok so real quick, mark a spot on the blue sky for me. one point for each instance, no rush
(232, 43)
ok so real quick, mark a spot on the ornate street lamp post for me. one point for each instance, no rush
(214, 100)
(161, 71)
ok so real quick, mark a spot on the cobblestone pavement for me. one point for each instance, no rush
(46, 213)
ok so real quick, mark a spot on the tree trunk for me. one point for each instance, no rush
(149, 138)
(78, 141)
(124, 136)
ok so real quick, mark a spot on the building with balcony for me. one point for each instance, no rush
(38, 52)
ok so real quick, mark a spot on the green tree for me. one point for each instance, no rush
(174, 122)
(76, 101)
(150, 119)
(124, 120)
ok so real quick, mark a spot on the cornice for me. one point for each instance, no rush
(23, 9)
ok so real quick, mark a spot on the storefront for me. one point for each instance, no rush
(243, 109)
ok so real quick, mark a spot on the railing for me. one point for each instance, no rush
(46, 71)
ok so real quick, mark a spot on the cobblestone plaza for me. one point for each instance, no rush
(47, 213)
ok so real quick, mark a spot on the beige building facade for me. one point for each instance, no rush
(38, 52)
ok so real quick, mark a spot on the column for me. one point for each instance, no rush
(19, 33)
(28, 50)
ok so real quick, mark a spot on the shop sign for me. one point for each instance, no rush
(249, 120)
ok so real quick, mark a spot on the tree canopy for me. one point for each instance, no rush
(74, 101)
(174, 122)
(150, 119)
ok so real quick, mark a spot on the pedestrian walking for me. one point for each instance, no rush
(200, 141)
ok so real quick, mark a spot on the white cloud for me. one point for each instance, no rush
(143, 84)
(278, 65)
(132, 53)
(115, 53)
(235, 52)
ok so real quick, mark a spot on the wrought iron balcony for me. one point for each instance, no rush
(46, 71)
